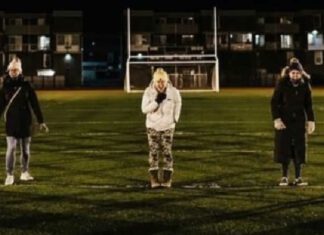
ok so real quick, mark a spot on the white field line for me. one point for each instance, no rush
(96, 110)
(204, 186)
(178, 150)
(90, 151)
(136, 122)
(189, 122)
(180, 133)
(82, 151)
(76, 151)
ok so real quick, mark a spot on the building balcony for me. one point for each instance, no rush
(27, 29)
(69, 49)
(15, 47)
(30, 47)
(271, 46)
(140, 48)
(171, 49)
(177, 28)
(278, 28)
(241, 46)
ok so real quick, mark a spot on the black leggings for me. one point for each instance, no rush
(297, 166)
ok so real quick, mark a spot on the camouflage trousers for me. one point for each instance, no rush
(160, 142)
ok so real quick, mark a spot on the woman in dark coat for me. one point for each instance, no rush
(17, 100)
(292, 112)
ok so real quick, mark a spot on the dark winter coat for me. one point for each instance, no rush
(294, 106)
(18, 116)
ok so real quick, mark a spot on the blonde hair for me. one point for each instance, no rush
(293, 60)
(160, 74)
(15, 63)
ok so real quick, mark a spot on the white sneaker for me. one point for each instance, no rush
(25, 176)
(284, 181)
(299, 182)
(9, 180)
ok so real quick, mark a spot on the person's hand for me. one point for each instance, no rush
(160, 97)
(310, 127)
(278, 124)
(43, 127)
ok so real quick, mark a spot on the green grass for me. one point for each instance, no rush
(97, 146)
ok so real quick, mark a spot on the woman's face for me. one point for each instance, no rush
(295, 75)
(13, 73)
(160, 85)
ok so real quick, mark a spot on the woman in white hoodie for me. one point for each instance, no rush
(162, 105)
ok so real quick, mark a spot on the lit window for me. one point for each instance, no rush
(187, 39)
(318, 57)
(259, 40)
(140, 39)
(286, 20)
(286, 41)
(43, 43)
(315, 41)
(241, 41)
(15, 43)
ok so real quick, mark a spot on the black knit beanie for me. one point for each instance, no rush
(295, 66)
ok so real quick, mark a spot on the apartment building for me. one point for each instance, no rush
(252, 46)
(49, 45)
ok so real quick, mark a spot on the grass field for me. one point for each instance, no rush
(91, 170)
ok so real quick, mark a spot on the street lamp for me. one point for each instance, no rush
(314, 32)
(67, 58)
(67, 63)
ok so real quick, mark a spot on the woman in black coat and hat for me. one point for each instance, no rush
(17, 101)
(293, 116)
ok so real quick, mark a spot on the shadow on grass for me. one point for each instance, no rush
(124, 211)
(314, 227)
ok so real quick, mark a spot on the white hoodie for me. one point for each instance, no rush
(165, 115)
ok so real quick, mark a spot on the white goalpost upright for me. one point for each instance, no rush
(203, 62)
(216, 88)
(127, 82)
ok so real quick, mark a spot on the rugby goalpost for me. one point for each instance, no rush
(207, 65)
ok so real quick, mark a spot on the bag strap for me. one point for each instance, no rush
(9, 103)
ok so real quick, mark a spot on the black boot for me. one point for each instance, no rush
(167, 178)
(154, 177)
